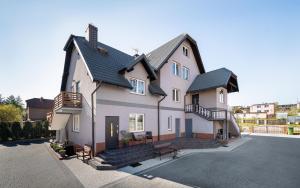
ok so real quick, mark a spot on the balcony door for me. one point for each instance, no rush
(195, 99)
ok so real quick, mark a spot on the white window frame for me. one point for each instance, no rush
(170, 123)
(221, 96)
(186, 51)
(176, 95)
(175, 71)
(76, 127)
(185, 73)
(137, 86)
(136, 122)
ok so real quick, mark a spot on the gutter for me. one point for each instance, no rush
(158, 118)
(93, 118)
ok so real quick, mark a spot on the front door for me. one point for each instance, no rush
(188, 128)
(177, 127)
(111, 132)
(195, 99)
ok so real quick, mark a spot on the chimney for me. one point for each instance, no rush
(92, 35)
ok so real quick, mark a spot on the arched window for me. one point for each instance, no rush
(221, 96)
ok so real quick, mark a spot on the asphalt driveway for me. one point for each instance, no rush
(30, 165)
(261, 162)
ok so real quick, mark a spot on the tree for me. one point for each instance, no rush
(4, 131)
(28, 130)
(293, 111)
(16, 101)
(16, 130)
(1, 99)
(10, 113)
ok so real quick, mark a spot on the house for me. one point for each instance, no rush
(105, 92)
(260, 115)
(269, 108)
(37, 108)
(286, 107)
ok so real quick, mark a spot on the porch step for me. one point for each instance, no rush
(126, 156)
(99, 166)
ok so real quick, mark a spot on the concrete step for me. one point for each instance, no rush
(99, 166)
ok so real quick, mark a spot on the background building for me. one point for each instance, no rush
(37, 108)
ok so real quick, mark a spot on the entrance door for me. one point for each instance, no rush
(195, 99)
(188, 128)
(177, 127)
(111, 132)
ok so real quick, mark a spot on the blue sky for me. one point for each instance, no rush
(258, 40)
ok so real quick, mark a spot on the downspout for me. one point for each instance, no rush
(158, 118)
(93, 117)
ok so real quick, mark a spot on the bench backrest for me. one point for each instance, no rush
(164, 145)
(87, 148)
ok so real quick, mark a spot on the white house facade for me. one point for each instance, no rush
(167, 92)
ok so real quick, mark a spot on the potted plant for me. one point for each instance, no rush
(125, 142)
(62, 153)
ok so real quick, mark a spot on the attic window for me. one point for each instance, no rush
(185, 51)
(103, 51)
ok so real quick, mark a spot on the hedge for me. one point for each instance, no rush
(29, 130)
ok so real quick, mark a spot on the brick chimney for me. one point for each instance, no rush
(92, 35)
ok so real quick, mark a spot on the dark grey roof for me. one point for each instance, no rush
(158, 57)
(104, 67)
(40, 103)
(141, 59)
(154, 89)
(214, 79)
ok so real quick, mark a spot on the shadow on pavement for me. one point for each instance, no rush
(23, 142)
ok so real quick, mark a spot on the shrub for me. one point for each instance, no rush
(45, 129)
(28, 130)
(4, 131)
(16, 130)
(38, 129)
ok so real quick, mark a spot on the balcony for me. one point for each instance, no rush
(207, 113)
(68, 102)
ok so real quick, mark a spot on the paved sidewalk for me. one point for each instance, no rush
(92, 178)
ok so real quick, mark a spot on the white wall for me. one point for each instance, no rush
(168, 81)
(201, 125)
(78, 72)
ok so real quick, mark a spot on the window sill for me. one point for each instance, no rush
(76, 131)
(138, 94)
(136, 131)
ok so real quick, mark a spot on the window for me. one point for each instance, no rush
(258, 111)
(138, 86)
(185, 73)
(185, 51)
(76, 123)
(77, 87)
(176, 69)
(258, 106)
(176, 95)
(136, 122)
(170, 123)
(266, 105)
(221, 96)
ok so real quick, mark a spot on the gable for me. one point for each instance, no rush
(158, 57)
(102, 67)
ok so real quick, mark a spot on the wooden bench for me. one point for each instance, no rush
(85, 151)
(165, 148)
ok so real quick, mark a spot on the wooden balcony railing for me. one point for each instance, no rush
(209, 114)
(68, 99)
